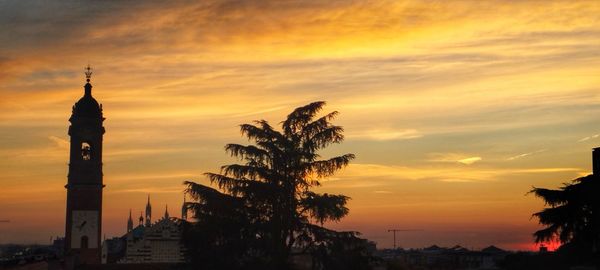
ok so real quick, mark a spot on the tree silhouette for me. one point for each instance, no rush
(572, 216)
(266, 211)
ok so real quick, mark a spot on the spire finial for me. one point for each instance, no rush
(88, 73)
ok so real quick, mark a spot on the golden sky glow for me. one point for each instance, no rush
(455, 109)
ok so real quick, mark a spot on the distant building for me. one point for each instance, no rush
(58, 245)
(113, 249)
(158, 242)
(457, 257)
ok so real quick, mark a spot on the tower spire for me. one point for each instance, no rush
(129, 222)
(148, 212)
(166, 211)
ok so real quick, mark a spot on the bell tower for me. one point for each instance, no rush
(84, 181)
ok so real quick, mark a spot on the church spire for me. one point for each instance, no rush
(166, 211)
(148, 212)
(129, 222)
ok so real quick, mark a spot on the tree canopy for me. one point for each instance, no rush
(572, 216)
(263, 212)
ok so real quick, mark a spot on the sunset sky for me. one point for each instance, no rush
(454, 109)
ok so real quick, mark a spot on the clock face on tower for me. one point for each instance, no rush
(84, 230)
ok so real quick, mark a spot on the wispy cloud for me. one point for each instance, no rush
(589, 138)
(470, 160)
(384, 134)
(60, 142)
(180, 176)
(526, 154)
(445, 174)
(151, 190)
(454, 158)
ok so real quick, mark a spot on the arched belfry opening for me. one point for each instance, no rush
(86, 151)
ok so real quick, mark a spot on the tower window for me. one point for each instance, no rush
(86, 151)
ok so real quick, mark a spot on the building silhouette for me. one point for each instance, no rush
(84, 181)
(158, 242)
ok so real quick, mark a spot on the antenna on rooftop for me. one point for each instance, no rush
(394, 231)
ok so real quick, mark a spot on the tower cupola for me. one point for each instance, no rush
(87, 106)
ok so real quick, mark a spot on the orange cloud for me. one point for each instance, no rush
(409, 78)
